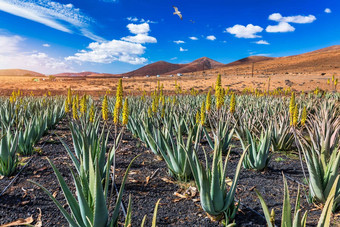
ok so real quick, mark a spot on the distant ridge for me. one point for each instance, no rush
(163, 67)
(250, 59)
(19, 72)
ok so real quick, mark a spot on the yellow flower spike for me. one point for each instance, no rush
(67, 107)
(198, 117)
(304, 116)
(125, 112)
(208, 102)
(202, 117)
(232, 103)
(296, 115)
(119, 94)
(69, 96)
(83, 105)
(328, 81)
(75, 110)
(218, 82)
(91, 114)
(77, 101)
(105, 110)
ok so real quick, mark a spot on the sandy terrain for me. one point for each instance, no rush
(97, 86)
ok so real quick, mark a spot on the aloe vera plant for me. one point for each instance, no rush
(282, 137)
(90, 207)
(8, 149)
(174, 151)
(322, 176)
(297, 220)
(215, 197)
(258, 155)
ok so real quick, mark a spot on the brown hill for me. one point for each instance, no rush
(250, 59)
(326, 60)
(198, 65)
(19, 72)
(160, 67)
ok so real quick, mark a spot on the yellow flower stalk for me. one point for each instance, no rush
(105, 110)
(91, 114)
(333, 77)
(218, 82)
(232, 103)
(83, 106)
(149, 112)
(67, 107)
(296, 115)
(198, 117)
(219, 97)
(304, 116)
(328, 81)
(69, 96)
(75, 110)
(125, 112)
(202, 117)
(77, 101)
(119, 95)
(208, 102)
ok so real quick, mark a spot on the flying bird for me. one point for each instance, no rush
(177, 12)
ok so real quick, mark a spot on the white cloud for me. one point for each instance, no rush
(129, 49)
(140, 38)
(248, 31)
(292, 19)
(211, 37)
(181, 49)
(135, 19)
(139, 28)
(63, 17)
(132, 19)
(11, 56)
(110, 51)
(263, 42)
(46, 45)
(9, 44)
(328, 10)
(193, 38)
(174, 58)
(179, 42)
(281, 27)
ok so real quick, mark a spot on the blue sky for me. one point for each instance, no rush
(115, 36)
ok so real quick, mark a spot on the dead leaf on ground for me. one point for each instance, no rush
(40, 170)
(180, 195)
(39, 222)
(167, 180)
(20, 221)
(24, 202)
(147, 179)
(55, 194)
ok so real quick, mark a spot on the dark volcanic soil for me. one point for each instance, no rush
(23, 199)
